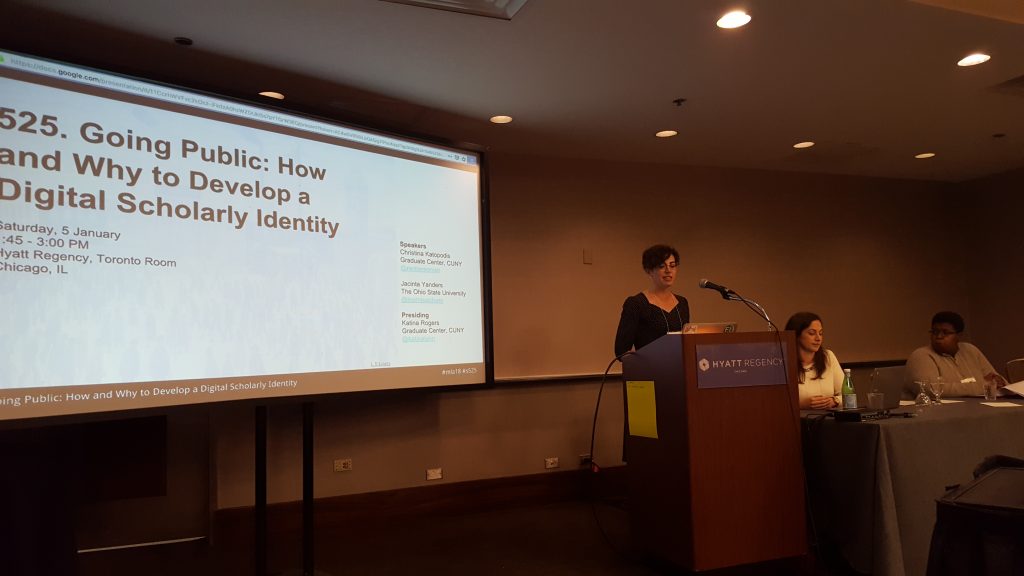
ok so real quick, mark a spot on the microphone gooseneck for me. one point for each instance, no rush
(729, 294)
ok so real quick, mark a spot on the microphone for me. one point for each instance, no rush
(731, 295)
(725, 292)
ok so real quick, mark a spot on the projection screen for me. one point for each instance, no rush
(160, 246)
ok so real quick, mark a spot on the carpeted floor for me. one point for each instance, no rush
(554, 539)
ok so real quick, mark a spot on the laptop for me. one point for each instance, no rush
(709, 327)
(888, 380)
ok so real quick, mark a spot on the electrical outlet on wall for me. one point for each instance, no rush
(434, 474)
(551, 462)
(343, 465)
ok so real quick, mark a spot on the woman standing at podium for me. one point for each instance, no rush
(656, 311)
(821, 376)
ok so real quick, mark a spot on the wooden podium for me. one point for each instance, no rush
(722, 483)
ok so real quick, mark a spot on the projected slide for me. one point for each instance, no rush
(160, 247)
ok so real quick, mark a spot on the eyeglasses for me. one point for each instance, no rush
(670, 266)
(941, 333)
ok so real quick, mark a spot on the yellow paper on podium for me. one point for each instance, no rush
(642, 409)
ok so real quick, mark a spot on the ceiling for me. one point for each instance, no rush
(872, 82)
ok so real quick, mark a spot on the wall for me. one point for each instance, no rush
(862, 252)
(393, 437)
(990, 228)
(184, 510)
(104, 480)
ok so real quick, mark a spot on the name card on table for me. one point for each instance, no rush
(737, 364)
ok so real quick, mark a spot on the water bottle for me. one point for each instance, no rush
(849, 396)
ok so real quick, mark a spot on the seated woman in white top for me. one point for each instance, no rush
(821, 376)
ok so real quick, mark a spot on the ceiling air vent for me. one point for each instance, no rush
(504, 9)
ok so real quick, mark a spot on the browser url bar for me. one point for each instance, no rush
(156, 92)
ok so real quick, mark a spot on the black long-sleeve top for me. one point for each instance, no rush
(642, 322)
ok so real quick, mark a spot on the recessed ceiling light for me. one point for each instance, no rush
(806, 144)
(734, 19)
(924, 155)
(666, 133)
(274, 95)
(501, 119)
(973, 59)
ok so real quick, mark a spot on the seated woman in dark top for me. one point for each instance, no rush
(656, 311)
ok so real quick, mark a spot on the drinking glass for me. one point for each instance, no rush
(876, 401)
(876, 398)
(938, 386)
(991, 390)
(922, 397)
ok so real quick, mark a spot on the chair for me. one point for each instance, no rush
(1015, 370)
(979, 527)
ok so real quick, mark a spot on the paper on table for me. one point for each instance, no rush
(1017, 388)
(906, 402)
(1002, 404)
